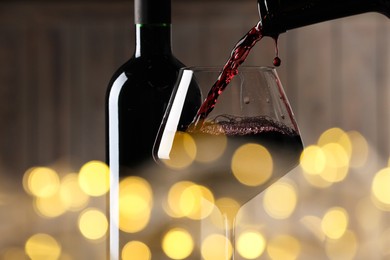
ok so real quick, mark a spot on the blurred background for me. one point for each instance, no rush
(56, 58)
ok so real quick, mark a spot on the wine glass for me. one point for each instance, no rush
(234, 137)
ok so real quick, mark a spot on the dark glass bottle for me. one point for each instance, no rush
(139, 91)
(278, 16)
(136, 99)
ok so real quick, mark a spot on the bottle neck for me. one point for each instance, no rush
(282, 15)
(152, 39)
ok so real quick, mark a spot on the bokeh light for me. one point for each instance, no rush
(42, 247)
(216, 247)
(197, 201)
(328, 161)
(335, 135)
(360, 149)
(280, 200)
(50, 207)
(93, 224)
(335, 222)
(337, 163)
(94, 178)
(178, 243)
(174, 198)
(71, 193)
(251, 244)
(284, 247)
(187, 199)
(353, 143)
(313, 160)
(252, 164)
(41, 182)
(135, 204)
(380, 189)
(183, 151)
(136, 250)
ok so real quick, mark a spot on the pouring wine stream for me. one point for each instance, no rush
(237, 57)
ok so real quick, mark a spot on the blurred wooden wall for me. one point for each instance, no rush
(56, 58)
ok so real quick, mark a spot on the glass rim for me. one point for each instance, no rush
(219, 68)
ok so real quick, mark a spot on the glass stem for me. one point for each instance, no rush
(229, 222)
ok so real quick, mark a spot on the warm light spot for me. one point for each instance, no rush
(346, 142)
(332, 135)
(137, 186)
(210, 149)
(335, 222)
(197, 201)
(134, 214)
(136, 250)
(280, 200)
(380, 188)
(41, 182)
(339, 155)
(183, 151)
(50, 207)
(252, 164)
(228, 208)
(187, 199)
(42, 247)
(216, 247)
(360, 149)
(251, 244)
(94, 178)
(313, 160)
(178, 243)
(175, 196)
(135, 204)
(284, 247)
(337, 163)
(13, 253)
(93, 224)
(71, 194)
(344, 248)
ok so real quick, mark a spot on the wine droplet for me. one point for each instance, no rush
(277, 61)
(247, 100)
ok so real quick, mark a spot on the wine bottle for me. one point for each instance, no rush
(139, 91)
(278, 16)
(136, 99)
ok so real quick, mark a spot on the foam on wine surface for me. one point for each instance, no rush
(239, 126)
